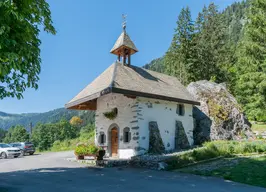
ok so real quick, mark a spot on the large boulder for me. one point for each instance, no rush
(219, 117)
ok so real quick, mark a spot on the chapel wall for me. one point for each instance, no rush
(126, 118)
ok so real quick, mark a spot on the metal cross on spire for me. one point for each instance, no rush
(124, 24)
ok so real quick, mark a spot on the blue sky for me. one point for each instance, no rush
(86, 31)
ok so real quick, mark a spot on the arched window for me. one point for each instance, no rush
(180, 110)
(102, 138)
(126, 135)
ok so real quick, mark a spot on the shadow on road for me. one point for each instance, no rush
(112, 179)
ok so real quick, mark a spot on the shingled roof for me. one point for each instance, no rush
(124, 41)
(131, 81)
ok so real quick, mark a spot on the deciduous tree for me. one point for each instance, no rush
(20, 62)
(76, 121)
(16, 134)
(2, 134)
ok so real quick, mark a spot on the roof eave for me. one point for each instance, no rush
(115, 50)
(127, 92)
(154, 96)
(77, 102)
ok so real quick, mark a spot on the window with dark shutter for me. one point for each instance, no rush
(101, 138)
(180, 110)
(126, 135)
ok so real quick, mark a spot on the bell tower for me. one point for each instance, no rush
(124, 47)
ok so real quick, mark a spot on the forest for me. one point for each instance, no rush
(224, 47)
(31, 119)
(62, 135)
(59, 129)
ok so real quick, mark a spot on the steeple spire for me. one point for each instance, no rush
(124, 24)
(124, 47)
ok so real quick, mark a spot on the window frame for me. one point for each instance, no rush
(180, 110)
(102, 138)
(126, 135)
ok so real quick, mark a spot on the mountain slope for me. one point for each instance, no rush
(156, 65)
(233, 18)
(9, 120)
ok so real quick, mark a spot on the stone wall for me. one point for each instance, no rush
(165, 115)
(156, 145)
(136, 114)
(180, 136)
(126, 118)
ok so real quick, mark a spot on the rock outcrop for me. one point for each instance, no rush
(219, 117)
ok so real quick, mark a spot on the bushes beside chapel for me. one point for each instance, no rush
(215, 149)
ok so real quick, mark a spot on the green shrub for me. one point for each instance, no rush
(237, 147)
(65, 145)
(92, 149)
(259, 136)
(111, 114)
(83, 149)
(194, 156)
(216, 149)
(86, 136)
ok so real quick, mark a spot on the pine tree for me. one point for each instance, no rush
(251, 63)
(178, 56)
(209, 49)
(196, 66)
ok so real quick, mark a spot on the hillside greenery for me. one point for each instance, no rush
(242, 162)
(16, 134)
(214, 149)
(248, 170)
(9, 120)
(2, 134)
(44, 135)
(56, 130)
(86, 135)
(222, 46)
(251, 63)
(62, 135)
(156, 65)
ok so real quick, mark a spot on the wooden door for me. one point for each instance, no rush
(114, 142)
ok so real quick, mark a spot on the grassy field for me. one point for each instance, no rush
(70, 144)
(240, 161)
(258, 127)
(248, 170)
(215, 149)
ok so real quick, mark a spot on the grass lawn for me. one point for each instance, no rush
(249, 167)
(215, 149)
(258, 127)
(249, 170)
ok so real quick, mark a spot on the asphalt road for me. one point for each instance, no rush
(52, 172)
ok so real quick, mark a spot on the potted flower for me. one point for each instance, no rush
(80, 151)
(89, 150)
(92, 150)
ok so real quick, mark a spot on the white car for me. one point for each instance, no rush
(8, 151)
